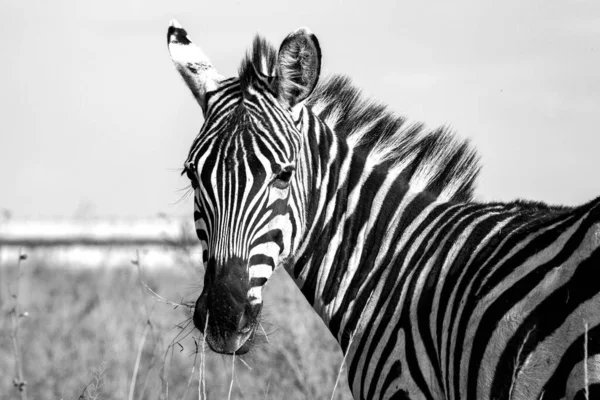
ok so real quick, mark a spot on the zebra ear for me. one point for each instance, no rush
(298, 67)
(192, 63)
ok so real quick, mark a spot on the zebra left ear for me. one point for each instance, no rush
(298, 67)
(192, 64)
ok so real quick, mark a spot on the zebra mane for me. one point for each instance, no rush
(436, 161)
(260, 59)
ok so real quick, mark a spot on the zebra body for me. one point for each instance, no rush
(437, 268)
(430, 295)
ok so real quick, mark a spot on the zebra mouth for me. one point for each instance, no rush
(245, 340)
(236, 343)
(245, 346)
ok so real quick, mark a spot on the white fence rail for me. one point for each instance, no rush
(93, 243)
(97, 231)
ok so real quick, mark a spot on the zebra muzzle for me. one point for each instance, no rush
(231, 324)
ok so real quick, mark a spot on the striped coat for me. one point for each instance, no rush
(430, 294)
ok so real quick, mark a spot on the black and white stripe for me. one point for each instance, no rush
(430, 294)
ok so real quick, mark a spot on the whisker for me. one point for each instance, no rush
(188, 191)
(265, 333)
(245, 363)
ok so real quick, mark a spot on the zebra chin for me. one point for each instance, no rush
(232, 343)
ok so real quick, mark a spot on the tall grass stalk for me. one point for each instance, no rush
(164, 375)
(158, 297)
(337, 380)
(137, 361)
(187, 388)
(585, 361)
(232, 376)
(19, 381)
(148, 328)
(517, 363)
(92, 389)
(202, 380)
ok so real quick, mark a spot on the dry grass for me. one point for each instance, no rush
(586, 380)
(83, 339)
(586, 384)
(16, 315)
(342, 364)
(93, 388)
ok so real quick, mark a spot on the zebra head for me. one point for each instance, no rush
(243, 167)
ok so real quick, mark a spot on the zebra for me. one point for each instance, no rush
(430, 294)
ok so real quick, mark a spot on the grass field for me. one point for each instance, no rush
(84, 329)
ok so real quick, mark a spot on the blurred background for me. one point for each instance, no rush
(96, 124)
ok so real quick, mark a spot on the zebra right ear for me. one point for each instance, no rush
(298, 67)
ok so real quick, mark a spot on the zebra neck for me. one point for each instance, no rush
(352, 206)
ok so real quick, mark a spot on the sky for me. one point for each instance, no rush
(95, 120)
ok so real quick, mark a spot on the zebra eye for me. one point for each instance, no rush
(282, 180)
(189, 171)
